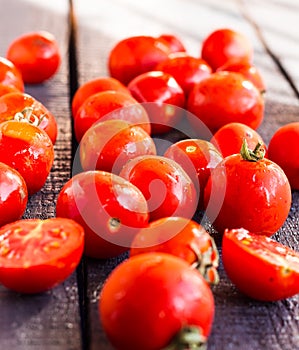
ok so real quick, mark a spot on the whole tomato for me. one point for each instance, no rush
(198, 158)
(272, 269)
(10, 75)
(166, 99)
(168, 189)
(109, 208)
(230, 137)
(283, 150)
(256, 194)
(224, 44)
(13, 194)
(27, 149)
(157, 294)
(110, 105)
(25, 108)
(135, 55)
(37, 255)
(225, 97)
(36, 55)
(108, 145)
(181, 237)
(94, 86)
(174, 43)
(186, 69)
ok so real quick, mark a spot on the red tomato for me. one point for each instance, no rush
(27, 149)
(225, 97)
(283, 150)
(248, 69)
(167, 188)
(250, 192)
(37, 255)
(223, 44)
(10, 75)
(108, 145)
(229, 138)
(136, 55)
(173, 42)
(198, 158)
(109, 208)
(94, 86)
(13, 194)
(166, 98)
(6, 89)
(157, 294)
(25, 108)
(36, 55)
(186, 69)
(271, 268)
(181, 237)
(110, 105)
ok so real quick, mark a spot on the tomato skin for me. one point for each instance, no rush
(162, 92)
(6, 89)
(225, 97)
(283, 150)
(36, 55)
(186, 69)
(37, 255)
(185, 299)
(94, 86)
(10, 75)
(256, 195)
(136, 55)
(109, 208)
(168, 189)
(260, 267)
(13, 103)
(224, 44)
(183, 238)
(108, 145)
(197, 157)
(174, 43)
(229, 138)
(110, 105)
(27, 149)
(13, 194)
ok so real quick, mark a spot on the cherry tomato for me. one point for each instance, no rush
(37, 255)
(94, 86)
(13, 194)
(183, 238)
(36, 55)
(27, 149)
(223, 44)
(157, 294)
(25, 108)
(10, 75)
(174, 43)
(6, 89)
(109, 208)
(166, 98)
(186, 69)
(135, 55)
(198, 158)
(225, 97)
(283, 150)
(248, 69)
(255, 193)
(110, 105)
(229, 138)
(168, 189)
(108, 145)
(271, 268)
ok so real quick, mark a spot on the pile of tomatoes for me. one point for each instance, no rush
(135, 191)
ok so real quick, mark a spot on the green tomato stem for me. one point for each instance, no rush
(252, 155)
(188, 338)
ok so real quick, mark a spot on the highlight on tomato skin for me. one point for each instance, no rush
(37, 255)
(259, 266)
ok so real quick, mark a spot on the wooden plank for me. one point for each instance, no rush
(49, 320)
